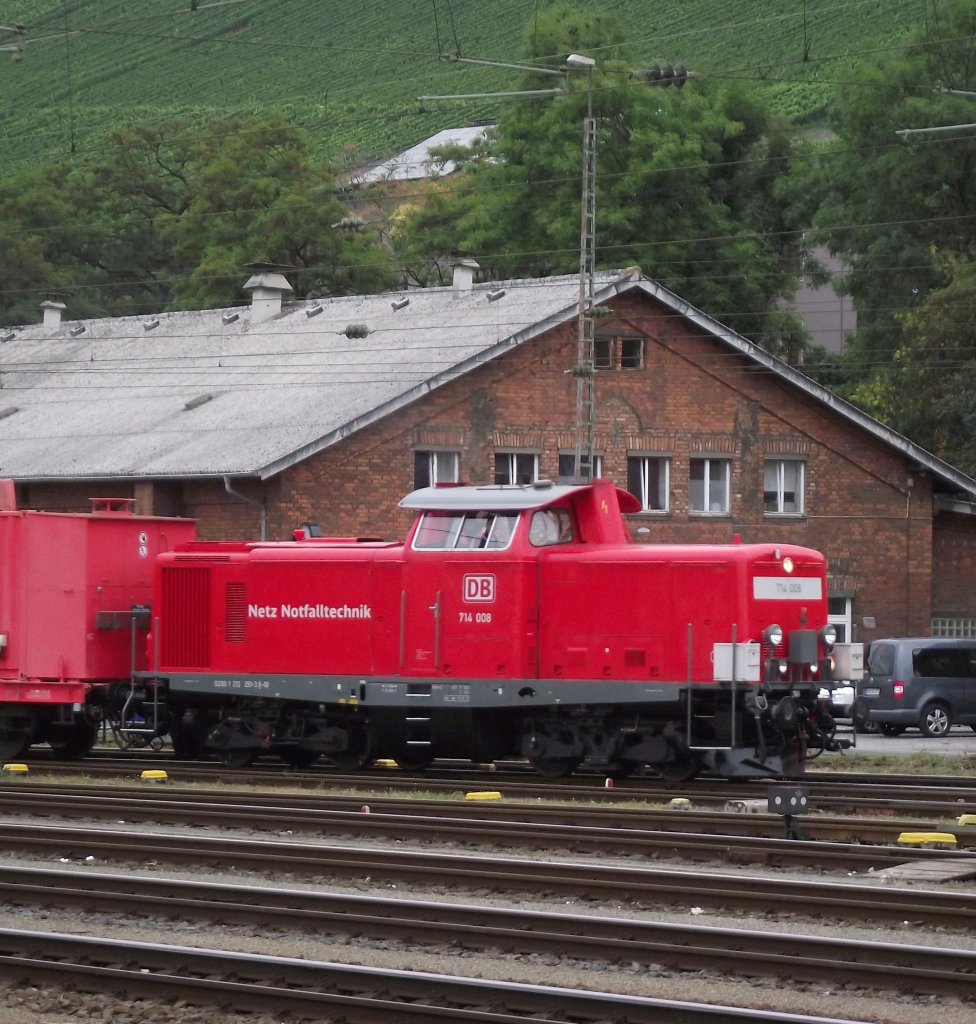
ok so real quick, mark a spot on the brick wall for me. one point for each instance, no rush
(868, 509)
(954, 584)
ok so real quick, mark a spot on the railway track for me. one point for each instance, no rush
(849, 843)
(648, 887)
(315, 990)
(944, 796)
(608, 940)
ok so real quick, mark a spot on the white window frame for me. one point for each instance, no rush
(777, 488)
(443, 467)
(513, 461)
(643, 468)
(715, 493)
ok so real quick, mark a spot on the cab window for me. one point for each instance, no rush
(550, 526)
(447, 531)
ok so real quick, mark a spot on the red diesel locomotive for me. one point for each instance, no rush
(515, 621)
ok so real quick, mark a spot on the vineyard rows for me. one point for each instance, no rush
(352, 72)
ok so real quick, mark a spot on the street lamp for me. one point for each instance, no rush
(584, 370)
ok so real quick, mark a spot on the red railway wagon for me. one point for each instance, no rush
(513, 621)
(75, 593)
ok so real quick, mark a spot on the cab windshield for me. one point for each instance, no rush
(446, 531)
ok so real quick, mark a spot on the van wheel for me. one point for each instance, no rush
(936, 720)
(891, 730)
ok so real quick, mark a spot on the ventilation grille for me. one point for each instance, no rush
(235, 613)
(186, 617)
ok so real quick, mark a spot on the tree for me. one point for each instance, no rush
(686, 185)
(926, 390)
(172, 214)
(892, 205)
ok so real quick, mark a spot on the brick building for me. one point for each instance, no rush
(255, 419)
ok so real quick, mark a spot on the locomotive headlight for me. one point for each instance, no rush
(787, 565)
(783, 668)
(773, 635)
(828, 636)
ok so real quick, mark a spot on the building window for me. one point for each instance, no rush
(567, 467)
(710, 486)
(609, 355)
(631, 353)
(648, 481)
(954, 627)
(516, 467)
(602, 353)
(431, 468)
(783, 488)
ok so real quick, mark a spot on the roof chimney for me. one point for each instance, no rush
(464, 276)
(267, 285)
(52, 312)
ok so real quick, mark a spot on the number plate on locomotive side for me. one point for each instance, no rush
(783, 588)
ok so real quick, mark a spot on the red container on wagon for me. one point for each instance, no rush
(75, 592)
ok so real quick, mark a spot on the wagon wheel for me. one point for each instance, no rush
(554, 767)
(74, 741)
(15, 736)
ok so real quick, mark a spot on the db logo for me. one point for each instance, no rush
(479, 589)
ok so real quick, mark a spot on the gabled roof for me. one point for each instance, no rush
(208, 394)
(418, 162)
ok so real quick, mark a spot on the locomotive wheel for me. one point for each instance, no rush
(360, 752)
(15, 737)
(352, 760)
(554, 767)
(187, 734)
(414, 763)
(73, 741)
(678, 771)
(236, 757)
(299, 758)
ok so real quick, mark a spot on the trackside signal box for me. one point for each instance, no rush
(69, 584)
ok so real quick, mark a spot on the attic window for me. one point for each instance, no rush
(195, 403)
(9, 411)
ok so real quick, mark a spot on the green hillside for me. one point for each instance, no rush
(350, 73)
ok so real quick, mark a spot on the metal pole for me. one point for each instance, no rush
(585, 370)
